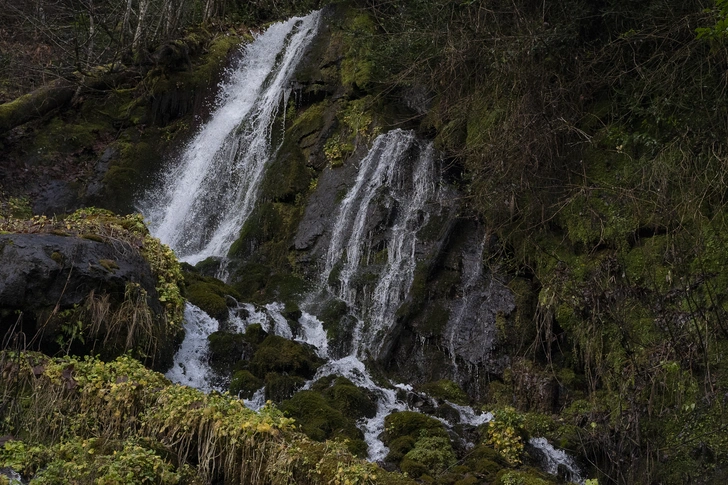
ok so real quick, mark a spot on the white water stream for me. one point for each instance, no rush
(205, 199)
(401, 174)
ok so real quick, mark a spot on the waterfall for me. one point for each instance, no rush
(372, 253)
(400, 175)
(205, 199)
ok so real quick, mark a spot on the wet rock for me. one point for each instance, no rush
(56, 197)
(95, 187)
(41, 271)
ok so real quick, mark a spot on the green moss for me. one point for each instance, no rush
(413, 468)
(208, 266)
(409, 423)
(254, 334)
(207, 300)
(226, 349)
(108, 264)
(435, 317)
(276, 354)
(61, 137)
(57, 257)
(399, 447)
(320, 421)
(351, 401)
(249, 278)
(308, 122)
(281, 386)
(445, 389)
(468, 480)
(357, 67)
(209, 294)
(244, 384)
(529, 477)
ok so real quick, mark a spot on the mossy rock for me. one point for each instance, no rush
(483, 453)
(399, 447)
(276, 354)
(352, 401)
(208, 301)
(413, 468)
(487, 468)
(528, 476)
(244, 384)
(227, 349)
(468, 480)
(209, 294)
(279, 387)
(357, 447)
(318, 419)
(249, 278)
(255, 335)
(410, 423)
(445, 389)
(208, 266)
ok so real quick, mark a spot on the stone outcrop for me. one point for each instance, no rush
(49, 282)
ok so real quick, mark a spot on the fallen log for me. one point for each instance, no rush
(55, 95)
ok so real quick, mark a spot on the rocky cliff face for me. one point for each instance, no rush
(358, 222)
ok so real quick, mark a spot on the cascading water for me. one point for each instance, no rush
(190, 366)
(204, 201)
(557, 461)
(402, 175)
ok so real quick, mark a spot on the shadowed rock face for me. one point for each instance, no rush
(43, 272)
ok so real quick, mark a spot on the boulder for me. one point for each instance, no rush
(49, 281)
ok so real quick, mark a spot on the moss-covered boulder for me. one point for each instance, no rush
(208, 294)
(226, 350)
(320, 421)
(91, 283)
(276, 354)
(244, 384)
(418, 443)
(280, 386)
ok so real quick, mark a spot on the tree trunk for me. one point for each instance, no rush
(143, 5)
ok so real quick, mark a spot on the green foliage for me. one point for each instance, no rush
(336, 151)
(87, 421)
(435, 453)
(720, 29)
(15, 207)
(107, 463)
(504, 435)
